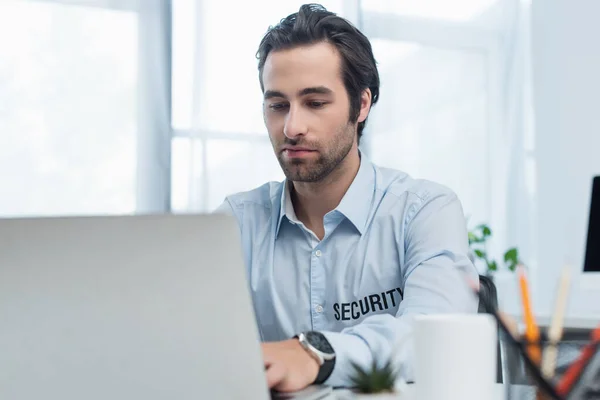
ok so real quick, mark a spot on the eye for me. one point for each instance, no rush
(316, 104)
(278, 106)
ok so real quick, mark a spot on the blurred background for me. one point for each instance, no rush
(111, 107)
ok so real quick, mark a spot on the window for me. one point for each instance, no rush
(123, 106)
(431, 121)
(434, 119)
(68, 97)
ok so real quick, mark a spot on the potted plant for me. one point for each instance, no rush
(375, 382)
(478, 239)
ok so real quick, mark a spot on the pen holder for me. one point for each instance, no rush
(576, 375)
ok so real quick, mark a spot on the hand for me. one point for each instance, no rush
(289, 367)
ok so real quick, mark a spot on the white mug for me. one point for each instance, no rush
(455, 356)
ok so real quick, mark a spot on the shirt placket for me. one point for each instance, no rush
(317, 272)
(317, 285)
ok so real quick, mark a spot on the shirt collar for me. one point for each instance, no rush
(355, 205)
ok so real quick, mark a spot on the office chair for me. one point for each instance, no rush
(488, 292)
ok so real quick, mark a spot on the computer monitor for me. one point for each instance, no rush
(591, 266)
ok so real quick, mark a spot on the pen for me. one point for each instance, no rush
(574, 371)
(532, 332)
(556, 325)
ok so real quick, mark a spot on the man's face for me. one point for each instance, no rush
(306, 111)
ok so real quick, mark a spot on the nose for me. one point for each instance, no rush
(295, 124)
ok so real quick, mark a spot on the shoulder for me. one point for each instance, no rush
(263, 197)
(428, 211)
(396, 183)
(411, 199)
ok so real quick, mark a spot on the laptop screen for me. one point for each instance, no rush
(592, 254)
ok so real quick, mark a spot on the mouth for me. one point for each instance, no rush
(297, 152)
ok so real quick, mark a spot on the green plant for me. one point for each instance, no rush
(375, 379)
(478, 239)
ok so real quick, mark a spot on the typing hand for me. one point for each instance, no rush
(288, 366)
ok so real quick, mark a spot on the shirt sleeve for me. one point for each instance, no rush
(436, 259)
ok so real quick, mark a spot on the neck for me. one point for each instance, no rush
(312, 200)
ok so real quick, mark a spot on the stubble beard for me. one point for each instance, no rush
(316, 170)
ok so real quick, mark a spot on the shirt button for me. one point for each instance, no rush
(319, 309)
(318, 253)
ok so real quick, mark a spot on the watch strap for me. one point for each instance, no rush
(325, 369)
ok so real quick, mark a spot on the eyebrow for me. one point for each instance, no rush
(269, 94)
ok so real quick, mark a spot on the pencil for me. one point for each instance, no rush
(556, 326)
(532, 332)
(506, 322)
(509, 327)
(511, 324)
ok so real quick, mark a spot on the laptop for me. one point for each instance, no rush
(134, 307)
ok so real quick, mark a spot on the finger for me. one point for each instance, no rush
(276, 373)
(268, 359)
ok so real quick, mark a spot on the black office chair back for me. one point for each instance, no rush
(487, 290)
(489, 295)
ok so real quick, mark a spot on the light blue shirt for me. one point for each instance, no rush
(395, 247)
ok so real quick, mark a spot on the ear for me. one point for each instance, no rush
(365, 105)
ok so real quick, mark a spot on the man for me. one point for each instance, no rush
(342, 254)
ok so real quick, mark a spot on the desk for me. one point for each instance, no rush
(518, 392)
(571, 323)
(575, 327)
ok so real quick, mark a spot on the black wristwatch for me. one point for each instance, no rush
(317, 345)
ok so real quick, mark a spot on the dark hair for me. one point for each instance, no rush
(314, 24)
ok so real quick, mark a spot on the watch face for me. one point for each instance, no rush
(319, 342)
